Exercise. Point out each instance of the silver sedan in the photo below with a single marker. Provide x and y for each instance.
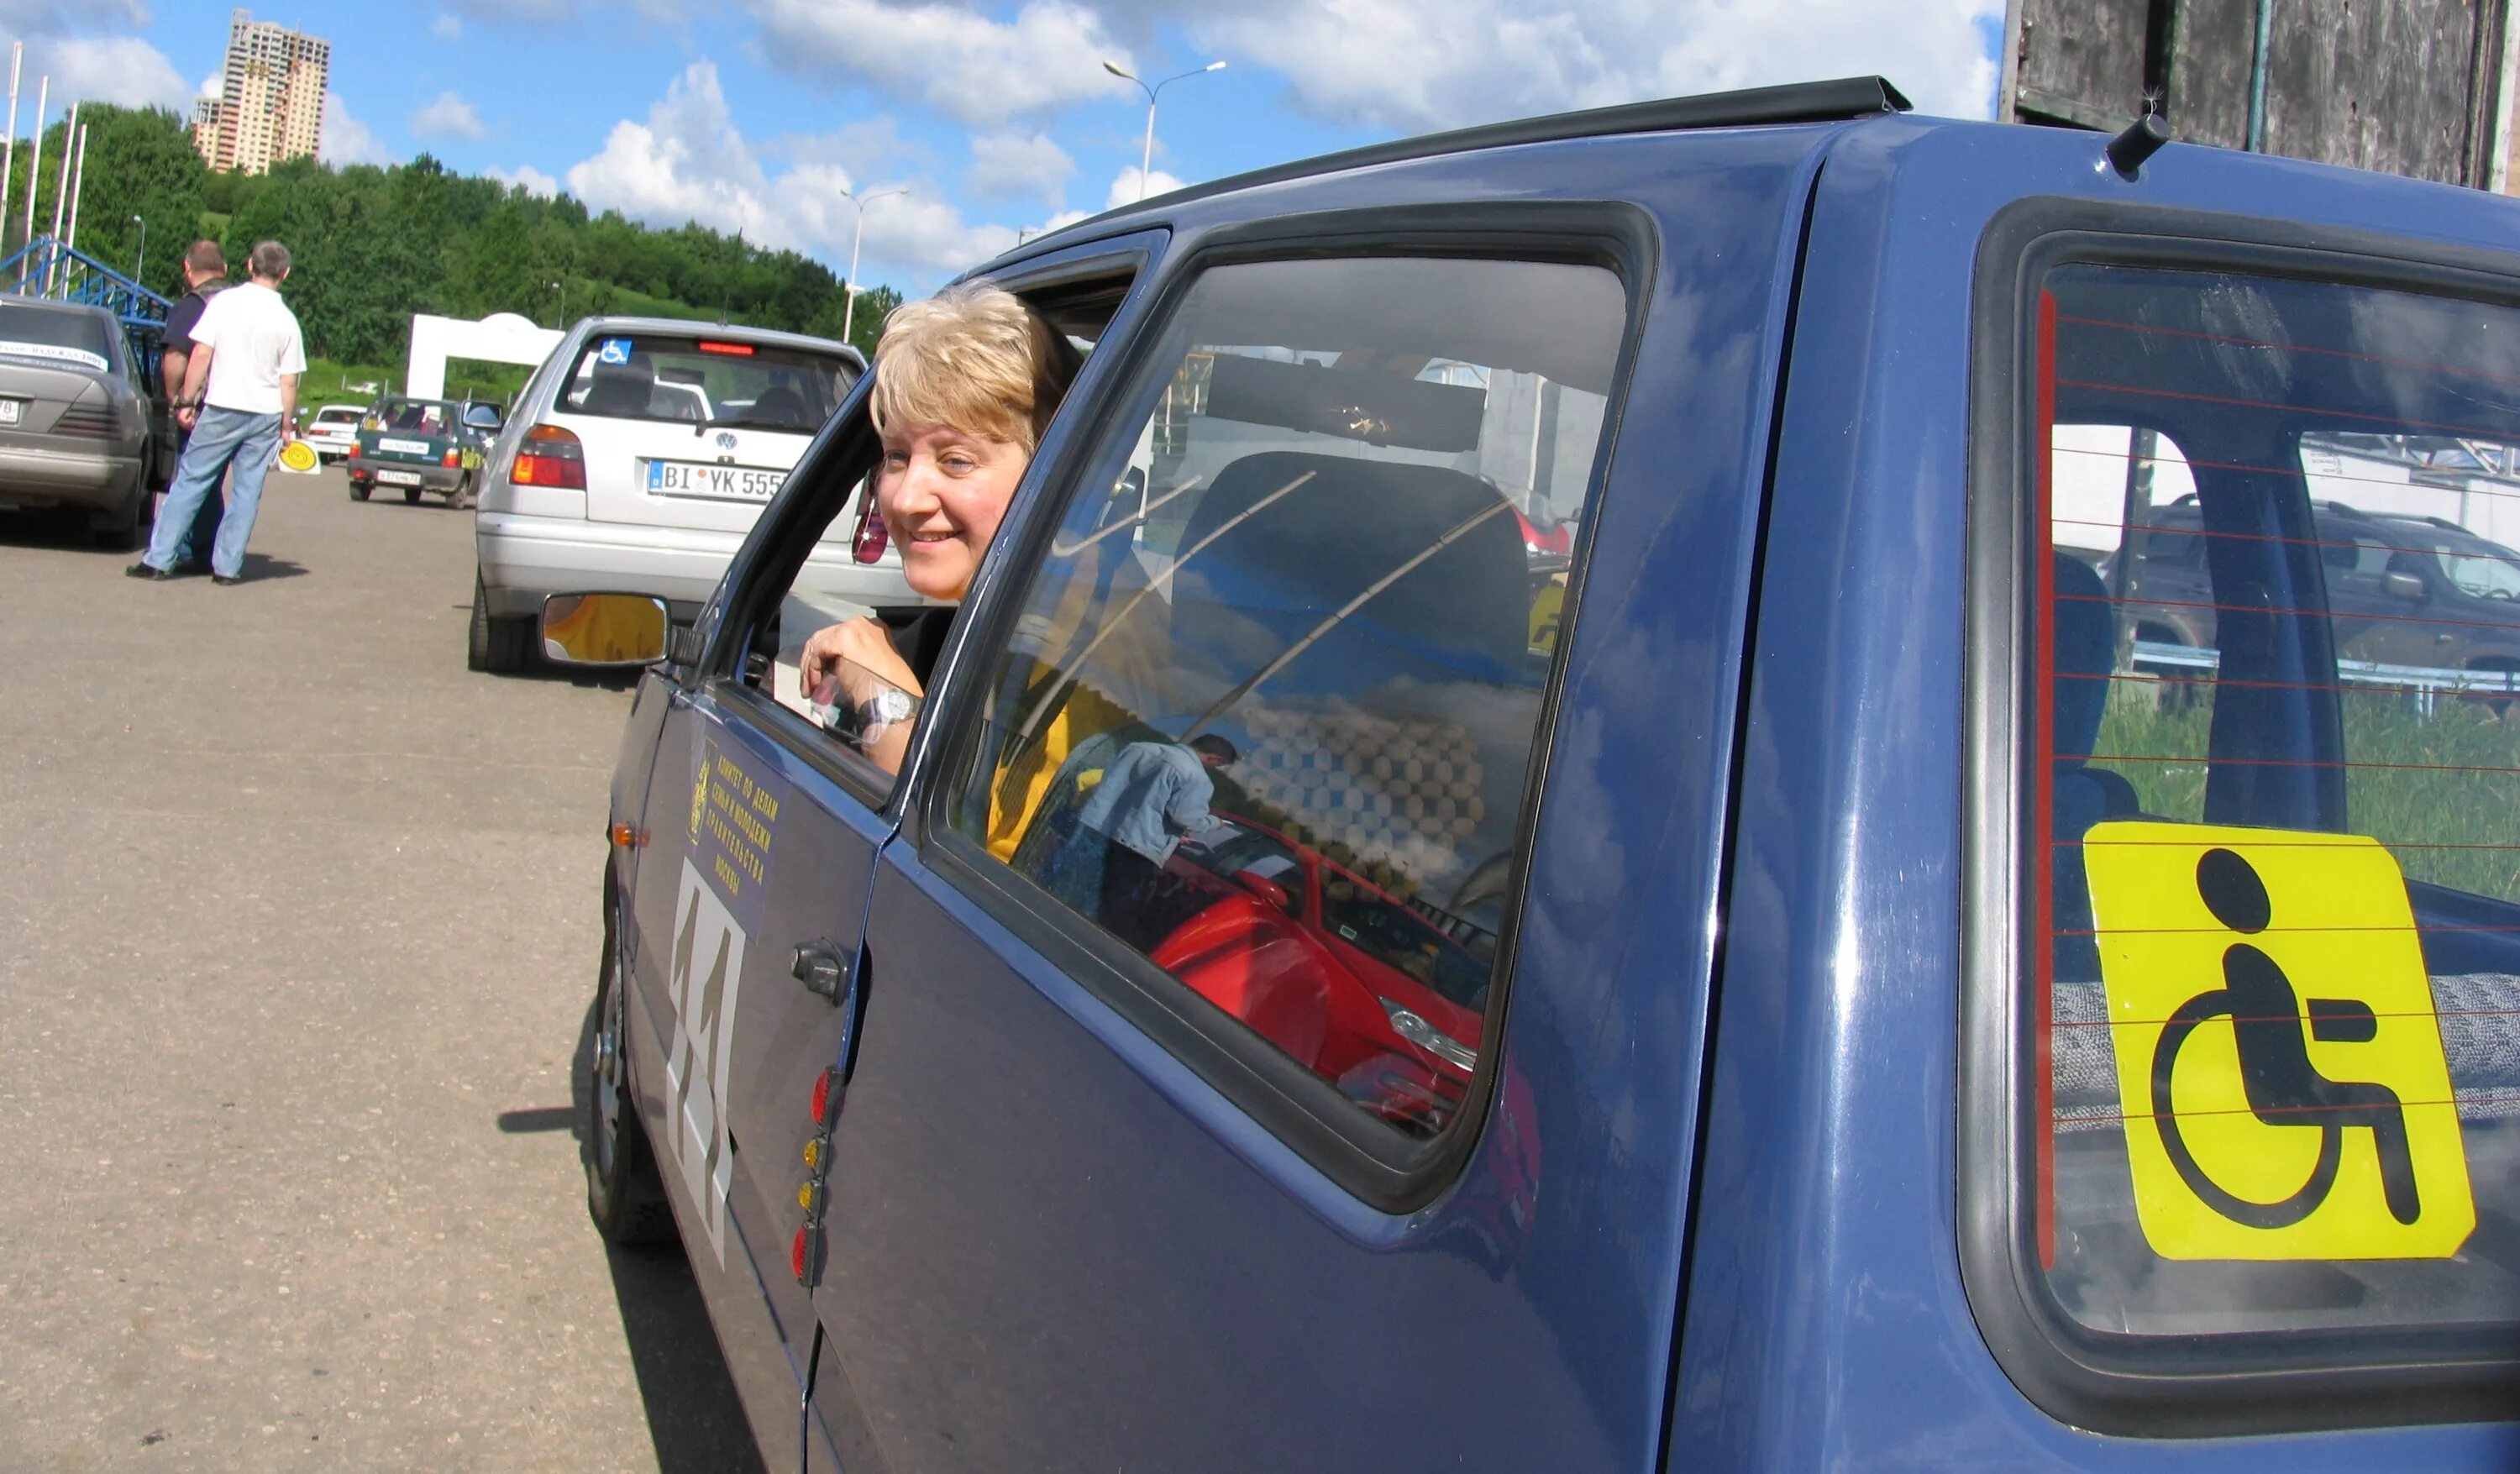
(79, 430)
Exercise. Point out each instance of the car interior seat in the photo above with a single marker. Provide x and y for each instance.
(782, 404)
(1433, 564)
(623, 389)
(2080, 794)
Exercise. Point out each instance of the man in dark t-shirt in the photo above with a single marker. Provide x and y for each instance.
(205, 271)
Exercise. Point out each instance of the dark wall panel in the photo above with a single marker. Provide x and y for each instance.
(2082, 61)
(2401, 86)
(2382, 84)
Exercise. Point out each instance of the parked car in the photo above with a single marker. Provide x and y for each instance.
(79, 430)
(1906, 1038)
(636, 461)
(414, 446)
(1329, 967)
(2417, 591)
(334, 431)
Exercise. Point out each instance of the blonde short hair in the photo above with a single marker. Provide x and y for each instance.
(973, 357)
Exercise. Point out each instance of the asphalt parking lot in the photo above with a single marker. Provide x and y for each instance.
(298, 946)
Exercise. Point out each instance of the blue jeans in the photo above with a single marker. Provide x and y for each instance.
(220, 438)
(195, 547)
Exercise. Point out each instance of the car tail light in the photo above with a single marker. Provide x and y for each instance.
(451, 458)
(354, 450)
(550, 456)
(96, 419)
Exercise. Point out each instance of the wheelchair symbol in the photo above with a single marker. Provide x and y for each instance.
(2284, 1089)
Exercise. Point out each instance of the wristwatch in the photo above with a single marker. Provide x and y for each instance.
(886, 707)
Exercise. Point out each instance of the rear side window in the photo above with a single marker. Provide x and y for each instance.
(682, 379)
(2269, 1097)
(1268, 711)
(422, 417)
(57, 336)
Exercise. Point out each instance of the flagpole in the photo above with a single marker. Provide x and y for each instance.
(60, 198)
(78, 187)
(9, 140)
(35, 169)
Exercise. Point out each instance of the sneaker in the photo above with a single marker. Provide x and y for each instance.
(223, 580)
(143, 570)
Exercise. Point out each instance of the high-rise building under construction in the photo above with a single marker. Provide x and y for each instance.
(270, 105)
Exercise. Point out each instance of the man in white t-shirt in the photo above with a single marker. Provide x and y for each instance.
(239, 401)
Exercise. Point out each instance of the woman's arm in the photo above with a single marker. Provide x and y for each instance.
(858, 657)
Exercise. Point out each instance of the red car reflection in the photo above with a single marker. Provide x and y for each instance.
(1329, 967)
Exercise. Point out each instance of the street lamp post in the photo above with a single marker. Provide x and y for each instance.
(857, 238)
(559, 315)
(140, 266)
(1147, 160)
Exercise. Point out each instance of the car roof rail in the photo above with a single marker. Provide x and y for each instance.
(1839, 101)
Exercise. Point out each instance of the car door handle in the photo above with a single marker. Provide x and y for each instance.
(820, 967)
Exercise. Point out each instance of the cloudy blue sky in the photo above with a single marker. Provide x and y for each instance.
(756, 113)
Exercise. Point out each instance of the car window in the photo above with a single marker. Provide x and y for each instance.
(1269, 709)
(2481, 573)
(2273, 1087)
(832, 701)
(680, 378)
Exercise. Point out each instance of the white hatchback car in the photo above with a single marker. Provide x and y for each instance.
(333, 430)
(637, 459)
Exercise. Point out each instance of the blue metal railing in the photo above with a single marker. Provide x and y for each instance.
(45, 267)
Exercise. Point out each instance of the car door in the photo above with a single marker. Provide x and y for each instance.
(761, 839)
(1095, 1204)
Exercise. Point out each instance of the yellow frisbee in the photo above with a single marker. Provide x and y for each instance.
(297, 455)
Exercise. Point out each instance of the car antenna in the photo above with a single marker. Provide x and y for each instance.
(2140, 140)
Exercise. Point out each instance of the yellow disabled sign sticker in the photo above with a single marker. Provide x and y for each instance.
(2278, 1061)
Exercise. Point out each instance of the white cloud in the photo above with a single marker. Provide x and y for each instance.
(690, 161)
(533, 180)
(447, 26)
(448, 117)
(1006, 165)
(1410, 66)
(345, 139)
(1125, 189)
(981, 71)
(214, 87)
(686, 163)
(121, 70)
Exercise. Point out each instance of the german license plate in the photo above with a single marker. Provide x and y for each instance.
(727, 483)
(399, 478)
(12, 410)
(404, 447)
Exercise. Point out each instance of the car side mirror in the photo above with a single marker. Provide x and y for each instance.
(1266, 889)
(2406, 586)
(604, 629)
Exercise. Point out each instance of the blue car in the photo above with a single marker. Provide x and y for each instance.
(1709, 946)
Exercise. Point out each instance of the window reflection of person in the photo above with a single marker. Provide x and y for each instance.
(1150, 795)
(966, 382)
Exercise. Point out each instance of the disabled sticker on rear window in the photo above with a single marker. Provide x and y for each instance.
(612, 350)
(2280, 1067)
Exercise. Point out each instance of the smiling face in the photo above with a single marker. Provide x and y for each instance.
(942, 493)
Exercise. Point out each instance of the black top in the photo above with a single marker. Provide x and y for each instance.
(183, 317)
(920, 636)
